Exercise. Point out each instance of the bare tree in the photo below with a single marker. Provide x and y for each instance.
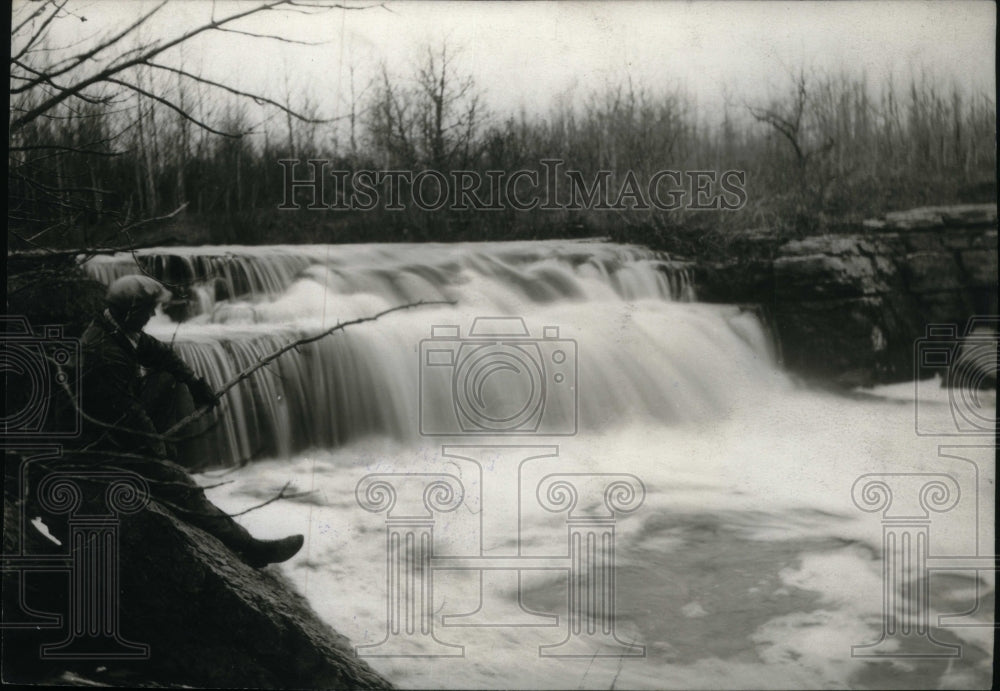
(790, 119)
(798, 120)
(436, 122)
(121, 69)
(449, 111)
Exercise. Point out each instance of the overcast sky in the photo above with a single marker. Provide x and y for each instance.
(528, 54)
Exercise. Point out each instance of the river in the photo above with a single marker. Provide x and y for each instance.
(575, 475)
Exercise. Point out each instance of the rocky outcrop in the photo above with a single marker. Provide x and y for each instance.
(849, 307)
(207, 619)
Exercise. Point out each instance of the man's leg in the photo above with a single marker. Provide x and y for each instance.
(172, 486)
(167, 401)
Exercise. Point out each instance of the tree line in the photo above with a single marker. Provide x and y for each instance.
(145, 139)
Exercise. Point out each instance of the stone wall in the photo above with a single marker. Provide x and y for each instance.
(848, 307)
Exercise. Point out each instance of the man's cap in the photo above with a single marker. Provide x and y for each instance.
(129, 292)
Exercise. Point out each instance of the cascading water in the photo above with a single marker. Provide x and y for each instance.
(749, 564)
(364, 381)
(262, 273)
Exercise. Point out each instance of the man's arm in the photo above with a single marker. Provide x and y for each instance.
(157, 355)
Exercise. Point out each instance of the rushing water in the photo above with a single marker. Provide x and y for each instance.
(748, 563)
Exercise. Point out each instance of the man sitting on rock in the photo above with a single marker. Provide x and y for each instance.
(134, 388)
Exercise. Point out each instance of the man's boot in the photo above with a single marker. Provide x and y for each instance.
(259, 553)
(188, 502)
(251, 551)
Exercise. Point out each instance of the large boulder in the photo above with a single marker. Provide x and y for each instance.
(208, 619)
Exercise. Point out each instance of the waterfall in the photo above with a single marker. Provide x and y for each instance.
(221, 273)
(236, 271)
(591, 335)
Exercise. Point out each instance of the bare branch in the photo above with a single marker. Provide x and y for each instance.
(16, 30)
(117, 68)
(274, 37)
(44, 79)
(180, 111)
(85, 253)
(783, 126)
(260, 100)
(41, 30)
(63, 148)
(171, 434)
(264, 361)
(280, 495)
(78, 60)
(136, 224)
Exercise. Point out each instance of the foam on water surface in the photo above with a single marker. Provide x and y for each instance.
(748, 565)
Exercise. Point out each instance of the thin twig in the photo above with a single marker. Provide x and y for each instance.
(280, 495)
(295, 344)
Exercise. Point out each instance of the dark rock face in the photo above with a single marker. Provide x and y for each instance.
(239, 626)
(849, 307)
(208, 619)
